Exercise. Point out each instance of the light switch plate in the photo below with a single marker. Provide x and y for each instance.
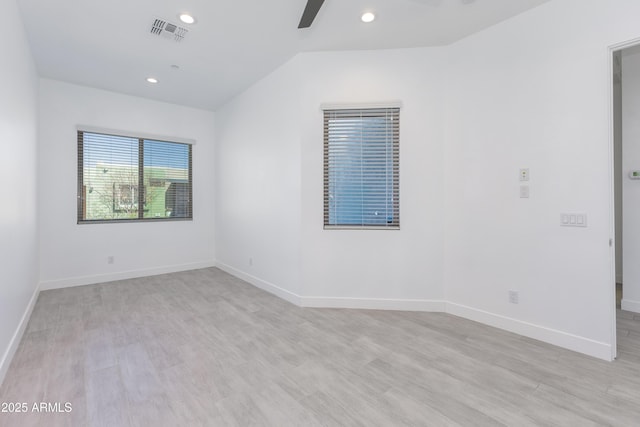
(573, 219)
(524, 191)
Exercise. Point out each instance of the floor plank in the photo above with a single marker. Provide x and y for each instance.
(203, 348)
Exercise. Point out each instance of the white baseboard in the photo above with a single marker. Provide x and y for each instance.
(262, 284)
(561, 339)
(630, 305)
(329, 302)
(122, 275)
(7, 357)
(577, 343)
(375, 304)
(566, 340)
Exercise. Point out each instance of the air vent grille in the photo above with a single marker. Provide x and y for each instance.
(161, 27)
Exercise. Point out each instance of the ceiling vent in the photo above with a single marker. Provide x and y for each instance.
(164, 28)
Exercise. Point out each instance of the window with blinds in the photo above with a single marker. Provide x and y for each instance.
(124, 178)
(361, 168)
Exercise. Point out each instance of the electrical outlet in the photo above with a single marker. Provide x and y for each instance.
(111, 259)
(514, 297)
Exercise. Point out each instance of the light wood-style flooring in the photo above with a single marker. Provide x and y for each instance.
(203, 348)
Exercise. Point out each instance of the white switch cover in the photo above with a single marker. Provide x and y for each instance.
(524, 174)
(514, 297)
(573, 219)
(524, 191)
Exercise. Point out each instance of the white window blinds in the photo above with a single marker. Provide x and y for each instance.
(124, 178)
(361, 168)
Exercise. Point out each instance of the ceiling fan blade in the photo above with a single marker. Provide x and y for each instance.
(310, 11)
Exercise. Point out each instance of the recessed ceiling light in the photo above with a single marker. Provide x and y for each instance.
(152, 80)
(187, 19)
(368, 17)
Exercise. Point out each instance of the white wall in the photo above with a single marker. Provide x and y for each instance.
(73, 254)
(269, 183)
(534, 92)
(631, 188)
(18, 174)
(371, 268)
(257, 183)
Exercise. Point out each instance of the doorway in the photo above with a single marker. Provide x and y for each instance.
(626, 183)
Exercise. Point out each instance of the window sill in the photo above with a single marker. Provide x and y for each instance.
(362, 227)
(118, 221)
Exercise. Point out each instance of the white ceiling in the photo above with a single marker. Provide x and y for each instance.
(107, 43)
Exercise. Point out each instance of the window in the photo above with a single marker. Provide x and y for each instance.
(361, 168)
(124, 178)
